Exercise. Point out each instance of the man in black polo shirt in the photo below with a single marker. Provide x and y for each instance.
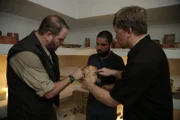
(103, 58)
(144, 89)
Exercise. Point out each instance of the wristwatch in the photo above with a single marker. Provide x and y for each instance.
(71, 78)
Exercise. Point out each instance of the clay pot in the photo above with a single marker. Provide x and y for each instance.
(169, 39)
(87, 42)
(167, 45)
(14, 35)
(1, 38)
(7, 40)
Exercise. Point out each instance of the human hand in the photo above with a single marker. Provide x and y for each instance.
(105, 72)
(86, 83)
(78, 74)
(108, 72)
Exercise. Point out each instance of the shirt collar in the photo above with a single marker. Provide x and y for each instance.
(138, 47)
(43, 46)
(45, 49)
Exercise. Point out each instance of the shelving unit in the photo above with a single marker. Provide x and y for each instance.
(172, 53)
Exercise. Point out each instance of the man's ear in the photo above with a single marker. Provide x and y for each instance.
(129, 31)
(48, 36)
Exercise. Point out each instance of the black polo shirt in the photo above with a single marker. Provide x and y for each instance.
(145, 88)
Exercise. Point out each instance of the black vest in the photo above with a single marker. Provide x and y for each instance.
(23, 100)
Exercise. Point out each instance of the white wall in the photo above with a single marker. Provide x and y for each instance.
(78, 36)
(67, 7)
(14, 23)
(156, 32)
(88, 8)
(23, 26)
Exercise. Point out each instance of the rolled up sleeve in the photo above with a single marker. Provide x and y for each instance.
(29, 68)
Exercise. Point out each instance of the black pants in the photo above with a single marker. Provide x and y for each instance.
(101, 114)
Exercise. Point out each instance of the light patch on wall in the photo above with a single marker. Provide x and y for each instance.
(3, 82)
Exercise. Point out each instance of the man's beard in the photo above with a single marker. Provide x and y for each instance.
(51, 47)
(103, 54)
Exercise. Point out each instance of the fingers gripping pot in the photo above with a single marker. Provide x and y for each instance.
(90, 73)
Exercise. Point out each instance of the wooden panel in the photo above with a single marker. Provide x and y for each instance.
(73, 60)
(3, 82)
(174, 65)
(176, 114)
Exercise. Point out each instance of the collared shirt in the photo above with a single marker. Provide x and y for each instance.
(29, 68)
(145, 86)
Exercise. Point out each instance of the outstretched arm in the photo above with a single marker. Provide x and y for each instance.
(100, 94)
(108, 72)
(61, 85)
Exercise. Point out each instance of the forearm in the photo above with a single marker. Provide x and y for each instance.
(108, 87)
(117, 74)
(108, 72)
(58, 87)
(102, 95)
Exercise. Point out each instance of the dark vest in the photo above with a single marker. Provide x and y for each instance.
(23, 100)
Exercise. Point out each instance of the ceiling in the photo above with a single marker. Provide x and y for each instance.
(161, 15)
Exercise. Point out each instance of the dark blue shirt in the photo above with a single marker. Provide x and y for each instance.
(112, 61)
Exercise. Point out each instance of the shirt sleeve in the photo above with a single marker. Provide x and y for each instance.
(120, 65)
(28, 67)
(136, 79)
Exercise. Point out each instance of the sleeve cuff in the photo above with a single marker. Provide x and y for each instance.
(46, 89)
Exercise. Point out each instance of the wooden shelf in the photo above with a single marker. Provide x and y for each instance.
(172, 53)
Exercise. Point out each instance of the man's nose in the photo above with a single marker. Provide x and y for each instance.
(99, 47)
(61, 41)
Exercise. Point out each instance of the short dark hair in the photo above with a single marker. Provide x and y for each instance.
(133, 17)
(106, 35)
(52, 23)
